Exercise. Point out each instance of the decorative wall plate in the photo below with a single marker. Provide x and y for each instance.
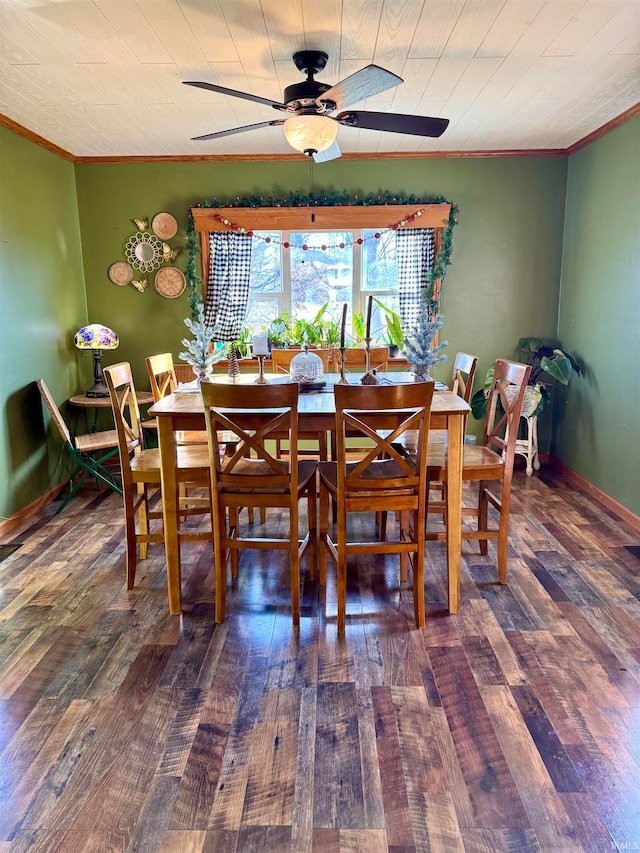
(121, 273)
(170, 282)
(164, 225)
(144, 251)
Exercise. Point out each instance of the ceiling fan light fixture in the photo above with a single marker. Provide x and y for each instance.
(310, 133)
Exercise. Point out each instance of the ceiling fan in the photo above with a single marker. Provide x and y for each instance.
(309, 126)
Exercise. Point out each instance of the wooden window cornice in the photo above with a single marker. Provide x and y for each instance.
(318, 218)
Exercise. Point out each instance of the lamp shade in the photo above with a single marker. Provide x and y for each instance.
(96, 336)
(310, 133)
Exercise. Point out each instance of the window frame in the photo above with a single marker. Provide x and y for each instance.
(318, 218)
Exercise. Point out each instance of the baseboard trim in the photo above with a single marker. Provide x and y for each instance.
(8, 524)
(584, 485)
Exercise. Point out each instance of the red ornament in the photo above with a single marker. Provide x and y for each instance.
(324, 248)
(411, 217)
(234, 227)
(359, 241)
(341, 245)
(394, 227)
(267, 239)
(377, 235)
(250, 233)
(286, 244)
(304, 247)
(217, 217)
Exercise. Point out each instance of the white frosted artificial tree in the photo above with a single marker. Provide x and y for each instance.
(199, 353)
(419, 348)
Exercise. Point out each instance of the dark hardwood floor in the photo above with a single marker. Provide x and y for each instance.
(512, 726)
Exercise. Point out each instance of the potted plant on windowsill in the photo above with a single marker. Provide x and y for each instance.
(394, 336)
(279, 331)
(319, 332)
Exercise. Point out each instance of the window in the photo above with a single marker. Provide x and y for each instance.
(319, 268)
(393, 268)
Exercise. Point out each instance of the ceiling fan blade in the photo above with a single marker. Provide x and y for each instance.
(234, 93)
(331, 153)
(395, 123)
(358, 87)
(220, 133)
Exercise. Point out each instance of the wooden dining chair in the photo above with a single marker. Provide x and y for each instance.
(140, 470)
(88, 452)
(281, 359)
(464, 371)
(384, 479)
(163, 381)
(254, 477)
(355, 359)
(491, 462)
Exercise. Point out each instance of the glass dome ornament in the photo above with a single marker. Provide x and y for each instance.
(307, 369)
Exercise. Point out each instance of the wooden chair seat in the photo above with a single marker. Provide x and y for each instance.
(386, 470)
(189, 460)
(476, 460)
(252, 470)
(191, 436)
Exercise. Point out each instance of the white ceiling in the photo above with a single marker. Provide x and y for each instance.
(103, 77)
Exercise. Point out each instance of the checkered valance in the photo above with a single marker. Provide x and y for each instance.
(228, 283)
(415, 248)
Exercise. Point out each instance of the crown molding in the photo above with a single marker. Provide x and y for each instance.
(606, 128)
(9, 123)
(295, 158)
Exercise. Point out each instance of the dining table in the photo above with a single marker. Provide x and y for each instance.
(184, 410)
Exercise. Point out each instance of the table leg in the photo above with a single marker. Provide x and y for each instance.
(453, 485)
(168, 465)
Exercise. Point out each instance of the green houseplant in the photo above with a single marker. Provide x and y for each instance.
(544, 359)
(316, 332)
(394, 336)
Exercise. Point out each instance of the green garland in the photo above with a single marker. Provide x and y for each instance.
(330, 199)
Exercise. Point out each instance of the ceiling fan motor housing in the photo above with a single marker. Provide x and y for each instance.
(305, 93)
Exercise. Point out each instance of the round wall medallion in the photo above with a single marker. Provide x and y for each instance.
(144, 251)
(120, 273)
(164, 225)
(170, 282)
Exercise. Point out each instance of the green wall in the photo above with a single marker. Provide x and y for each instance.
(597, 421)
(503, 283)
(42, 303)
